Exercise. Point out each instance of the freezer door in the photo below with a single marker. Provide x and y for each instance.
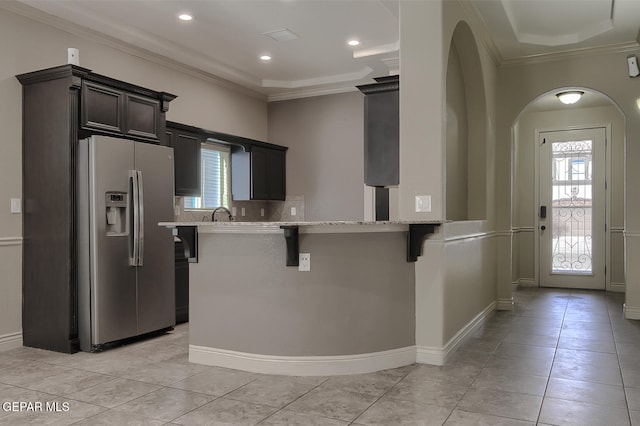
(156, 273)
(113, 280)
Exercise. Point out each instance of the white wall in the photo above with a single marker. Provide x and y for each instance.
(28, 46)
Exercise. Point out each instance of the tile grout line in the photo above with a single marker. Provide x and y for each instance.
(555, 352)
(379, 398)
(615, 346)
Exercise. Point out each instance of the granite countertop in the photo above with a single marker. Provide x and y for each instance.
(344, 226)
(302, 223)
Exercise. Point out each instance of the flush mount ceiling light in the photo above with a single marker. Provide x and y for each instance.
(353, 42)
(570, 97)
(185, 17)
(265, 58)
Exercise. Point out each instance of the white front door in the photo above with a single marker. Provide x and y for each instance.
(572, 210)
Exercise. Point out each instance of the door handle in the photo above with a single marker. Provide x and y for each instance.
(543, 212)
(543, 227)
(140, 219)
(133, 257)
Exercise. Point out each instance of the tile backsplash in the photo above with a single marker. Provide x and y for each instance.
(254, 211)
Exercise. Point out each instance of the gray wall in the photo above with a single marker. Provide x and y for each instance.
(325, 157)
(359, 296)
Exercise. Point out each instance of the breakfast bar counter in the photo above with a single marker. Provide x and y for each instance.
(353, 311)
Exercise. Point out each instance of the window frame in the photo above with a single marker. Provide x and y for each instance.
(210, 145)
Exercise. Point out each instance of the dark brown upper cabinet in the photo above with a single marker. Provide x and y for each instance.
(115, 111)
(382, 132)
(186, 142)
(258, 173)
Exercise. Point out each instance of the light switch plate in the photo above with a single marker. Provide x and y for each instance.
(16, 205)
(304, 262)
(243, 212)
(423, 203)
(234, 211)
(293, 211)
(261, 212)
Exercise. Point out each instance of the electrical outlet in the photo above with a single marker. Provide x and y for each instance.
(304, 262)
(243, 212)
(293, 211)
(16, 205)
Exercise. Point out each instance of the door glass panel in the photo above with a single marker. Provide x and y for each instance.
(571, 207)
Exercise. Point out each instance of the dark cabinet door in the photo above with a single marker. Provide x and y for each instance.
(186, 157)
(277, 175)
(113, 111)
(259, 173)
(142, 117)
(102, 108)
(267, 174)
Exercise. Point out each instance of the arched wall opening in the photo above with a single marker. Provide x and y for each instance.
(466, 130)
(543, 114)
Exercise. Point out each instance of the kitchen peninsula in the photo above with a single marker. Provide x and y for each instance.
(352, 312)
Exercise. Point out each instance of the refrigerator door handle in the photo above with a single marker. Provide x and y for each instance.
(141, 218)
(133, 257)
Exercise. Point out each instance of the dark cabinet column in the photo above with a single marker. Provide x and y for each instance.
(382, 132)
(60, 105)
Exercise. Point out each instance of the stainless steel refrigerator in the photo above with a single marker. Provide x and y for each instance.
(126, 281)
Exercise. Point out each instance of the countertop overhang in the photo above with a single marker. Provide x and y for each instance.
(417, 231)
(311, 227)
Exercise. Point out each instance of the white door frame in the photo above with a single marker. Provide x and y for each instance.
(536, 204)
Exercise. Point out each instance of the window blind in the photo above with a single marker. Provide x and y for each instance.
(214, 169)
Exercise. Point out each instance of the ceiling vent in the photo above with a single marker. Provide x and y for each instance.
(282, 35)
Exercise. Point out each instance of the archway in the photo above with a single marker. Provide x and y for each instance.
(466, 130)
(546, 114)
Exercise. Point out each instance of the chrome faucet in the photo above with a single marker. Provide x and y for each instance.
(224, 209)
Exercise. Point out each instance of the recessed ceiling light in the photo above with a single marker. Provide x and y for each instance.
(265, 58)
(353, 42)
(185, 17)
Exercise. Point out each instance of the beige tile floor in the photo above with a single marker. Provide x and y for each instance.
(561, 357)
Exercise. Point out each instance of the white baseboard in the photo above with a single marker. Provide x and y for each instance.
(617, 287)
(440, 356)
(527, 282)
(10, 341)
(631, 312)
(303, 365)
(505, 304)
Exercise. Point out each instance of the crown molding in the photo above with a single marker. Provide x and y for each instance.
(574, 53)
(482, 31)
(299, 94)
(332, 79)
(97, 37)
